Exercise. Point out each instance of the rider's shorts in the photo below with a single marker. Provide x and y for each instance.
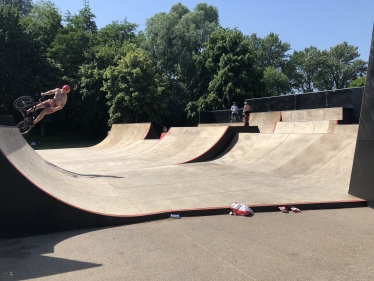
(234, 113)
(49, 104)
(246, 113)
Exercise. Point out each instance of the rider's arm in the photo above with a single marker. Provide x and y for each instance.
(59, 107)
(49, 92)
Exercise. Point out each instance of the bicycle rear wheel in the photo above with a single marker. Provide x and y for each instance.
(23, 102)
(24, 127)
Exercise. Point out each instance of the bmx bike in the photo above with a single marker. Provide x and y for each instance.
(242, 118)
(22, 104)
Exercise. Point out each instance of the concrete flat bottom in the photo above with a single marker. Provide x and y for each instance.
(312, 245)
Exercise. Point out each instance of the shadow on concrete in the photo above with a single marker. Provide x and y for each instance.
(23, 259)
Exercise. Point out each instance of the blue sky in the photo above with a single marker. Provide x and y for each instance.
(302, 23)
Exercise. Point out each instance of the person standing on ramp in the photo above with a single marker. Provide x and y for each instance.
(246, 111)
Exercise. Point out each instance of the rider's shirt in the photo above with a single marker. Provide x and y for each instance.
(234, 109)
(60, 99)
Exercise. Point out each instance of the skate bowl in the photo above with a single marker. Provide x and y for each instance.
(41, 196)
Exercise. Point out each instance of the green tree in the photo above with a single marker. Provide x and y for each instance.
(272, 56)
(172, 39)
(307, 65)
(71, 42)
(340, 67)
(70, 49)
(136, 92)
(24, 6)
(110, 47)
(43, 22)
(20, 59)
(276, 82)
(84, 20)
(359, 82)
(270, 50)
(226, 72)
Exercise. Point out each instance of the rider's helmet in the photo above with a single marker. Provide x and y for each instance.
(234, 103)
(66, 88)
(245, 102)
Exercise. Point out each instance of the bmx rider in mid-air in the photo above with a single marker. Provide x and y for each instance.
(50, 105)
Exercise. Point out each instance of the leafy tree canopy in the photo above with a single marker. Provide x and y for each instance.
(136, 92)
(359, 82)
(24, 6)
(340, 66)
(226, 71)
(43, 22)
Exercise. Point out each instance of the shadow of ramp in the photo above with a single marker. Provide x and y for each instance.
(43, 266)
(24, 259)
(75, 175)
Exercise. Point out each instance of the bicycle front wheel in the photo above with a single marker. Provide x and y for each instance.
(23, 102)
(24, 127)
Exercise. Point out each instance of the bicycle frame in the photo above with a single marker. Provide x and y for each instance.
(23, 103)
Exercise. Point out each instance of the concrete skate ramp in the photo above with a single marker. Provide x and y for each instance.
(314, 127)
(335, 113)
(307, 127)
(91, 155)
(316, 165)
(293, 155)
(266, 121)
(123, 140)
(221, 124)
(180, 145)
(258, 169)
(122, 135)
(348, 129)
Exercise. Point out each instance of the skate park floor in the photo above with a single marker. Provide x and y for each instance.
(312, 245)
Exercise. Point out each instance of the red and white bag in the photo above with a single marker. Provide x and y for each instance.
(240, 209)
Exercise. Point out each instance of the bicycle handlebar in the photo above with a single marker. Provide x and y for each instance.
(42, 98)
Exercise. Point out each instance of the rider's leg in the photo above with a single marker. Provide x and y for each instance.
(46, 111)
(34, 108)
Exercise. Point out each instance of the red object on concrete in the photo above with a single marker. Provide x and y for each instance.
(240, 209)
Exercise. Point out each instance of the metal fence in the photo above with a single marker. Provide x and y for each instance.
(350, 98)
